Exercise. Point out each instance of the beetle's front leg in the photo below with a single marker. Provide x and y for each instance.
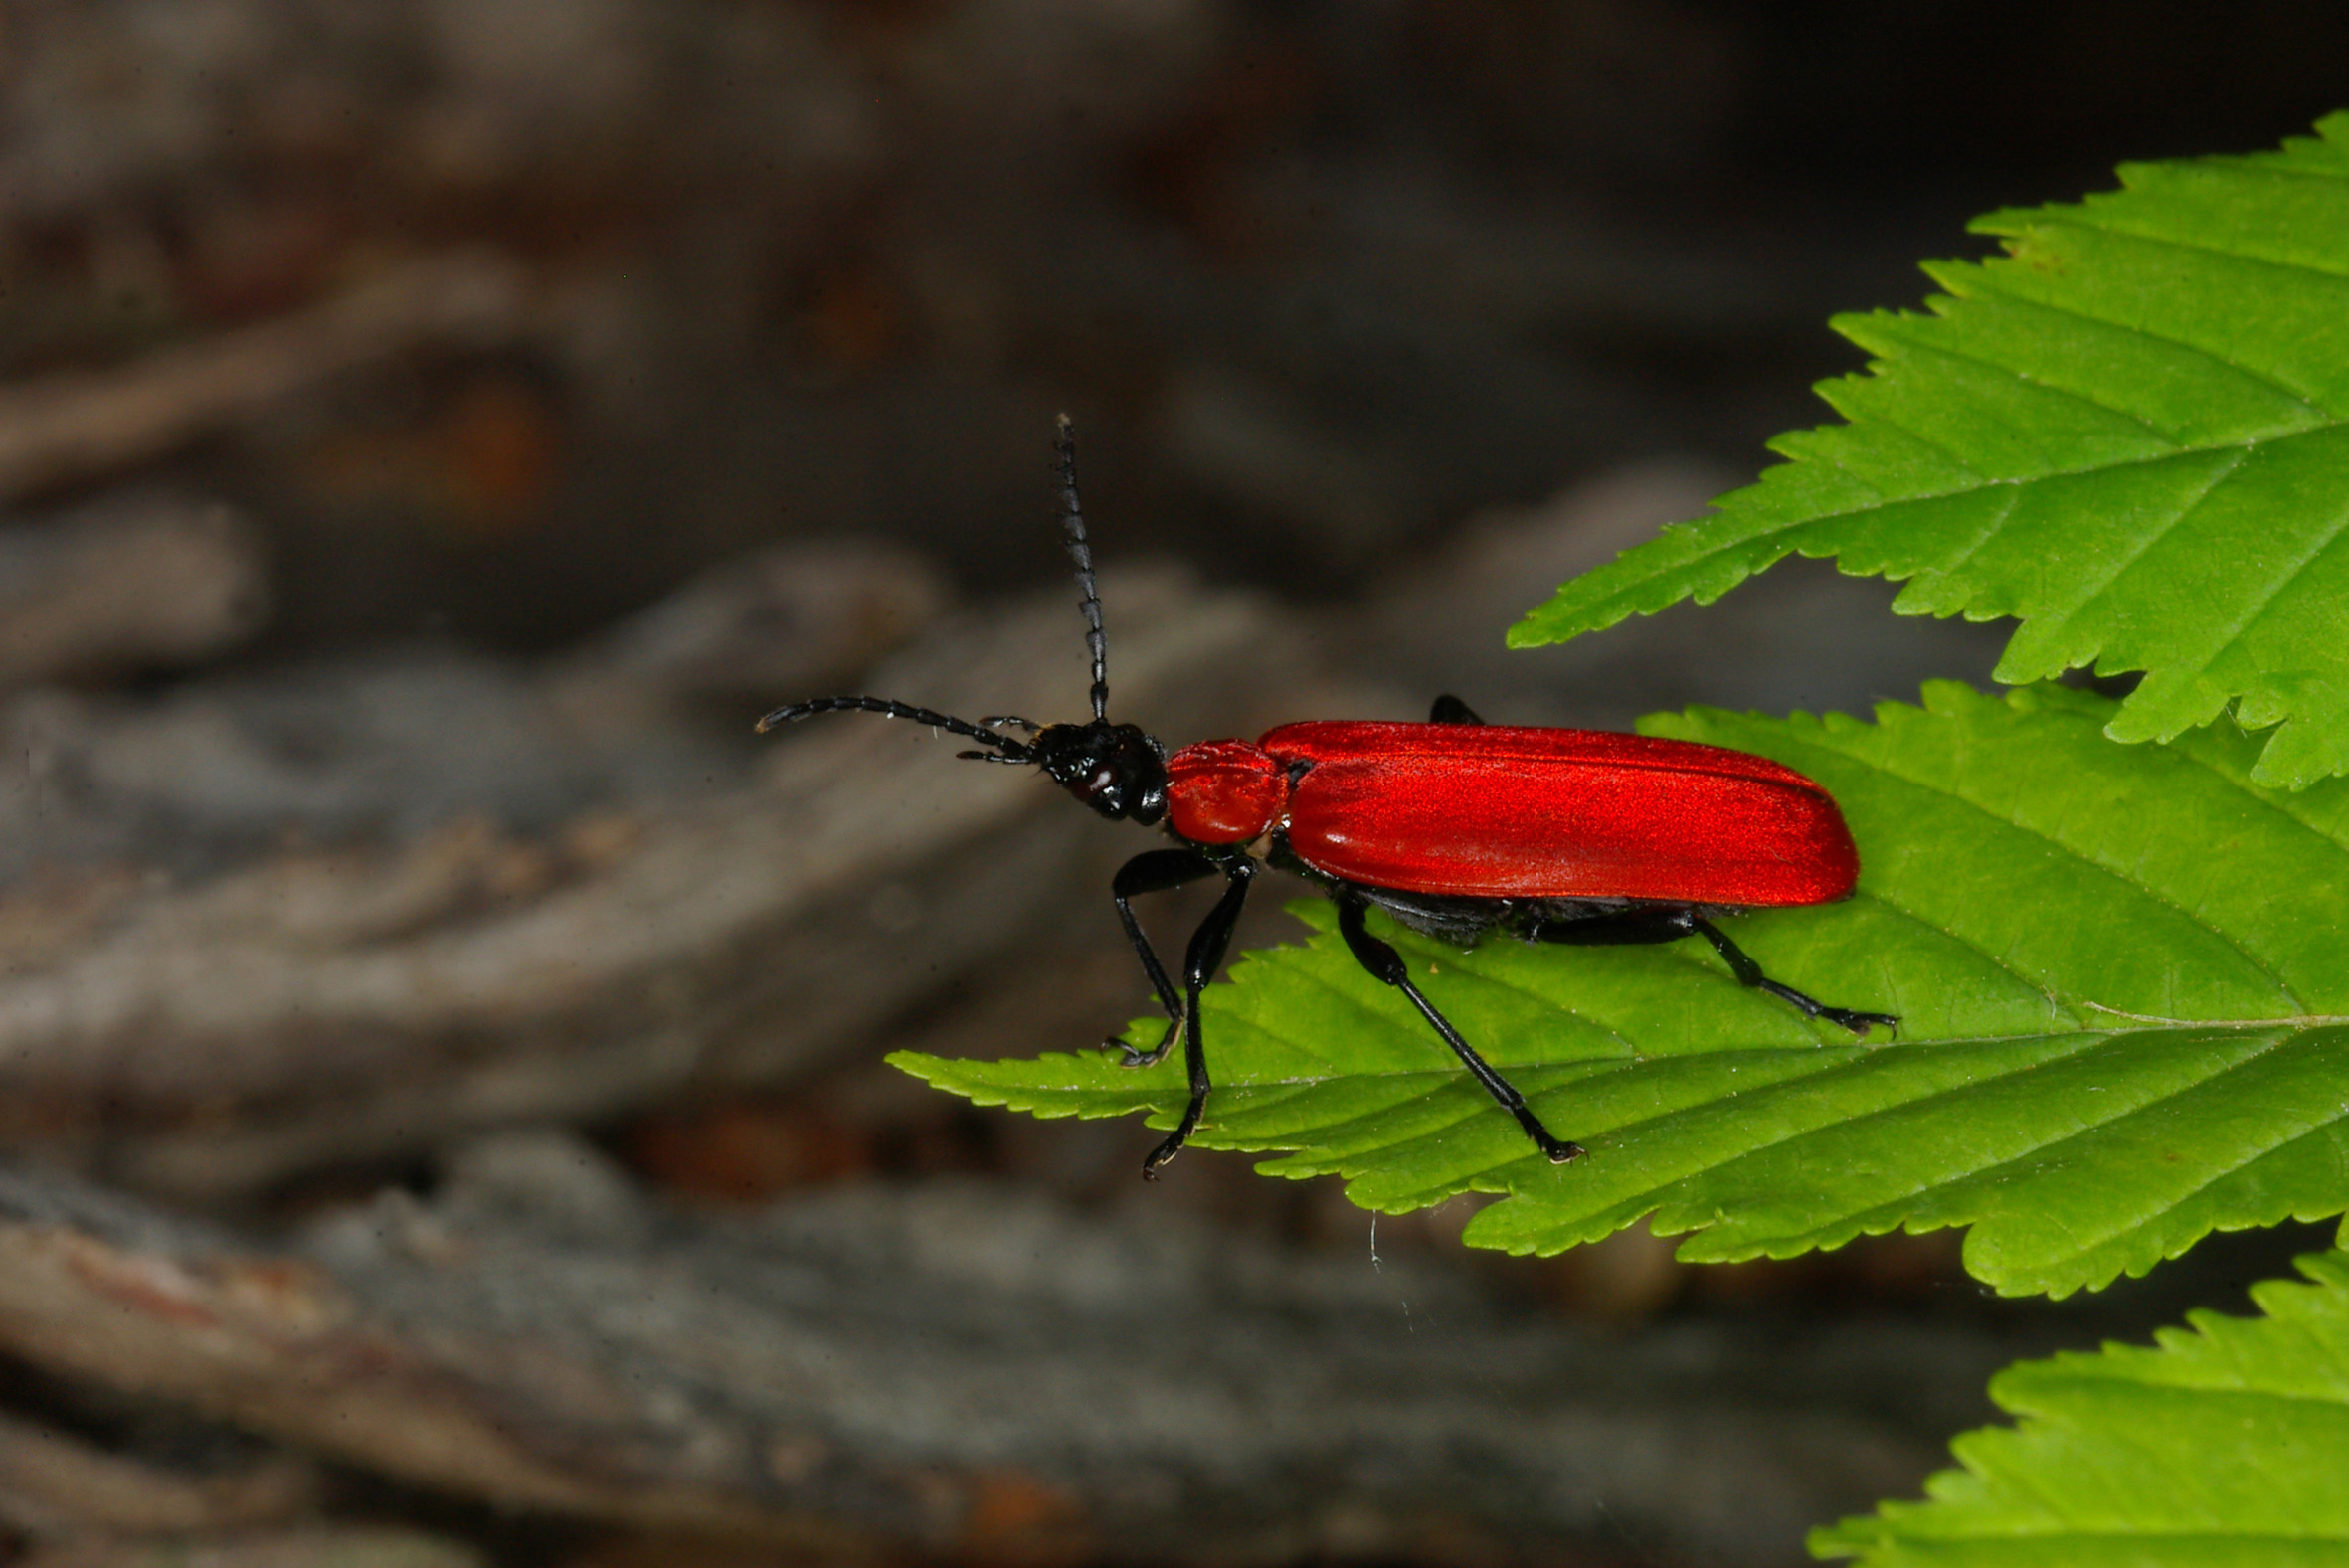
(1207, 946)
(1154, 871)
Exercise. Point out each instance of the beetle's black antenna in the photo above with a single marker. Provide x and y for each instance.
(1072, 521)
(1011, 751)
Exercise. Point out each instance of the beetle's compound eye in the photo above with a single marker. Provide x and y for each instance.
(1099, 790)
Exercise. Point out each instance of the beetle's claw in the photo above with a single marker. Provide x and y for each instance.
(1132, 1056)
(1861, 1023)
(1135, 1056)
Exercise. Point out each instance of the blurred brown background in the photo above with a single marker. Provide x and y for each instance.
(440, 1045)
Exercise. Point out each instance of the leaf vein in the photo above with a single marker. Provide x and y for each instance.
(2259, 797)
(2090, 1126)
(2088, 590)
(2148, 892)
(2259, 607)
(2028, 379)
(2065, 1048)
(1990, 531)
(1876, 417)
(2281, 1140)
(1985, 281)
(2086, 218)
(1879, 895)
(2085, 470)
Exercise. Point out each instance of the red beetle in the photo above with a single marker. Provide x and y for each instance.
(1454, 827)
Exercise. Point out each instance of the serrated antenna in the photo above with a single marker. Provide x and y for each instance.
(1072, 522)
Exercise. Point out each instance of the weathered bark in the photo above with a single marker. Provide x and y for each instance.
(55, 1484)
(78, 423)
(534, 914)
(128, 582)
(962, 1367)
(316, 1547)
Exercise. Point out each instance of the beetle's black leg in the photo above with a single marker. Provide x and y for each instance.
(1154, 871)
(1750, 973)
(1669, 922)
(1451, 710)
(1207, 946)
(1387, 964)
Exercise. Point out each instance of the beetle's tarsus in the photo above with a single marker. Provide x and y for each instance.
(1132, 1055)
(1751, 974)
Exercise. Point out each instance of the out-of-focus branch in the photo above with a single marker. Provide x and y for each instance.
(134, 580)
(964, 1368)
(356, 1546)
(52, 1483)
(77, 424)
(536, 914)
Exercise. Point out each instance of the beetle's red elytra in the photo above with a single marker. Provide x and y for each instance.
(1455, 828)
(1490, 812)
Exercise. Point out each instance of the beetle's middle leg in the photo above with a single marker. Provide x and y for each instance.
(1669, 922)
(1449, 709)
(1387, 964)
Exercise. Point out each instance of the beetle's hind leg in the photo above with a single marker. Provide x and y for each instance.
(1387, 964)
(1669, 922)
(1750, 973)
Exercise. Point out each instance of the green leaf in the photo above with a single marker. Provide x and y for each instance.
(2128, 433)
(2124, 1005)
(2227, 1444)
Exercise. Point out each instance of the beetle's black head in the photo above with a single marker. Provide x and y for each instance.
(1113, 767)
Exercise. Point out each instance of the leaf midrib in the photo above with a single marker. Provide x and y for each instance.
(2088, 588)
(1449, 1072)
(1734, 508)
(2036, 381)
(2093, 219)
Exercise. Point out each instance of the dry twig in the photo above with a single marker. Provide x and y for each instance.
(589, 932)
